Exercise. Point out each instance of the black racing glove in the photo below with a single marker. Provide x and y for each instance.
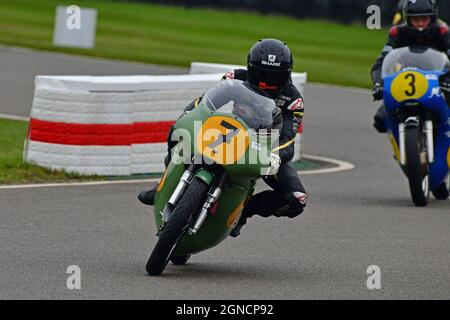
(377, 91)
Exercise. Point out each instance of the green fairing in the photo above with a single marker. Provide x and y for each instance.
(239, 184)
(215, 229)
(248, 169)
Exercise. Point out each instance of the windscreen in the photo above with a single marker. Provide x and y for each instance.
(243, 100)
(423, 58)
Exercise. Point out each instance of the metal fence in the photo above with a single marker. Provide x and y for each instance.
(345, 11)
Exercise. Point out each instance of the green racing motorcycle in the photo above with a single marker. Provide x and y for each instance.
(224, 147)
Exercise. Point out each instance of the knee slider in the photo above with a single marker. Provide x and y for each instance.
(295, 210)
(296, 204)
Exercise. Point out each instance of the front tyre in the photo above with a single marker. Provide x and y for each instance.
(176, 226)
(417, 166)
(180, 260)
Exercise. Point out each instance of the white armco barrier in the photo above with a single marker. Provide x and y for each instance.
(107, 125)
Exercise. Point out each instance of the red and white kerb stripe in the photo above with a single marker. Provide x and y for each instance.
(83, 134)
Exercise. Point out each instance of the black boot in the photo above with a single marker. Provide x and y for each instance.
(260, 205)
(147, 197)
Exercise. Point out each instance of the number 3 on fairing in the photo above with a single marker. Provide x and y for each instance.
(412, 84)
(409, 85)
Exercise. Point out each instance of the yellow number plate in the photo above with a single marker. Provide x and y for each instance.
(222, 139)
(409, 85)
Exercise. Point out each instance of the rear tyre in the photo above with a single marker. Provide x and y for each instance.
(417, 166)
(180, 260)
(442, 192)
(176, 227)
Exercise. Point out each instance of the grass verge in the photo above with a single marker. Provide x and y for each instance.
(329, 52)
(12, 168)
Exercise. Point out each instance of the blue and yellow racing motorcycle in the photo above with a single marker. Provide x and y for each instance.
(418, 119)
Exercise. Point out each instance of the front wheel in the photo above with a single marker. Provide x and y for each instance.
(417, 166)
(180, 260)
(176, 227)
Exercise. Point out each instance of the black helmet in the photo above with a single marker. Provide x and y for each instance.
(269, 64)
(421, 8)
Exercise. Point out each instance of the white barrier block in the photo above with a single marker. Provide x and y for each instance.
(125, 100)
(101, 160)
(146, 158)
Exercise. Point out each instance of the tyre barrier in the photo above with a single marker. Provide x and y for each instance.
(97, 125)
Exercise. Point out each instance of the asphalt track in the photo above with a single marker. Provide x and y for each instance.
(354, 219)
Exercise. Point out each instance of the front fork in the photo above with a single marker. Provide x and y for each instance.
(430, 140)
(427, 129)
(185, 181)
(212, 198)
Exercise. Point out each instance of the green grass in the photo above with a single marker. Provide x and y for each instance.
(12, 167)
(329, 52)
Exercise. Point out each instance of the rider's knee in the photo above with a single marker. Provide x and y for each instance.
(295, 209)
(295, 205)
(294, 212)
(378, 120)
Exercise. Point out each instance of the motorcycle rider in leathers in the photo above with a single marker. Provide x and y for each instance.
(269, 66)
(421, 28)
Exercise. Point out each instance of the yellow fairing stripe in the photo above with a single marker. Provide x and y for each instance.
(448, 157)
(395, 147)
(196, 102)
(284, 145)
(232, 218)
(162, 181)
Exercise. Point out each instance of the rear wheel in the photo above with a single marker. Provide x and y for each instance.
(176, 227)
(417, 166)
(442, 192)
